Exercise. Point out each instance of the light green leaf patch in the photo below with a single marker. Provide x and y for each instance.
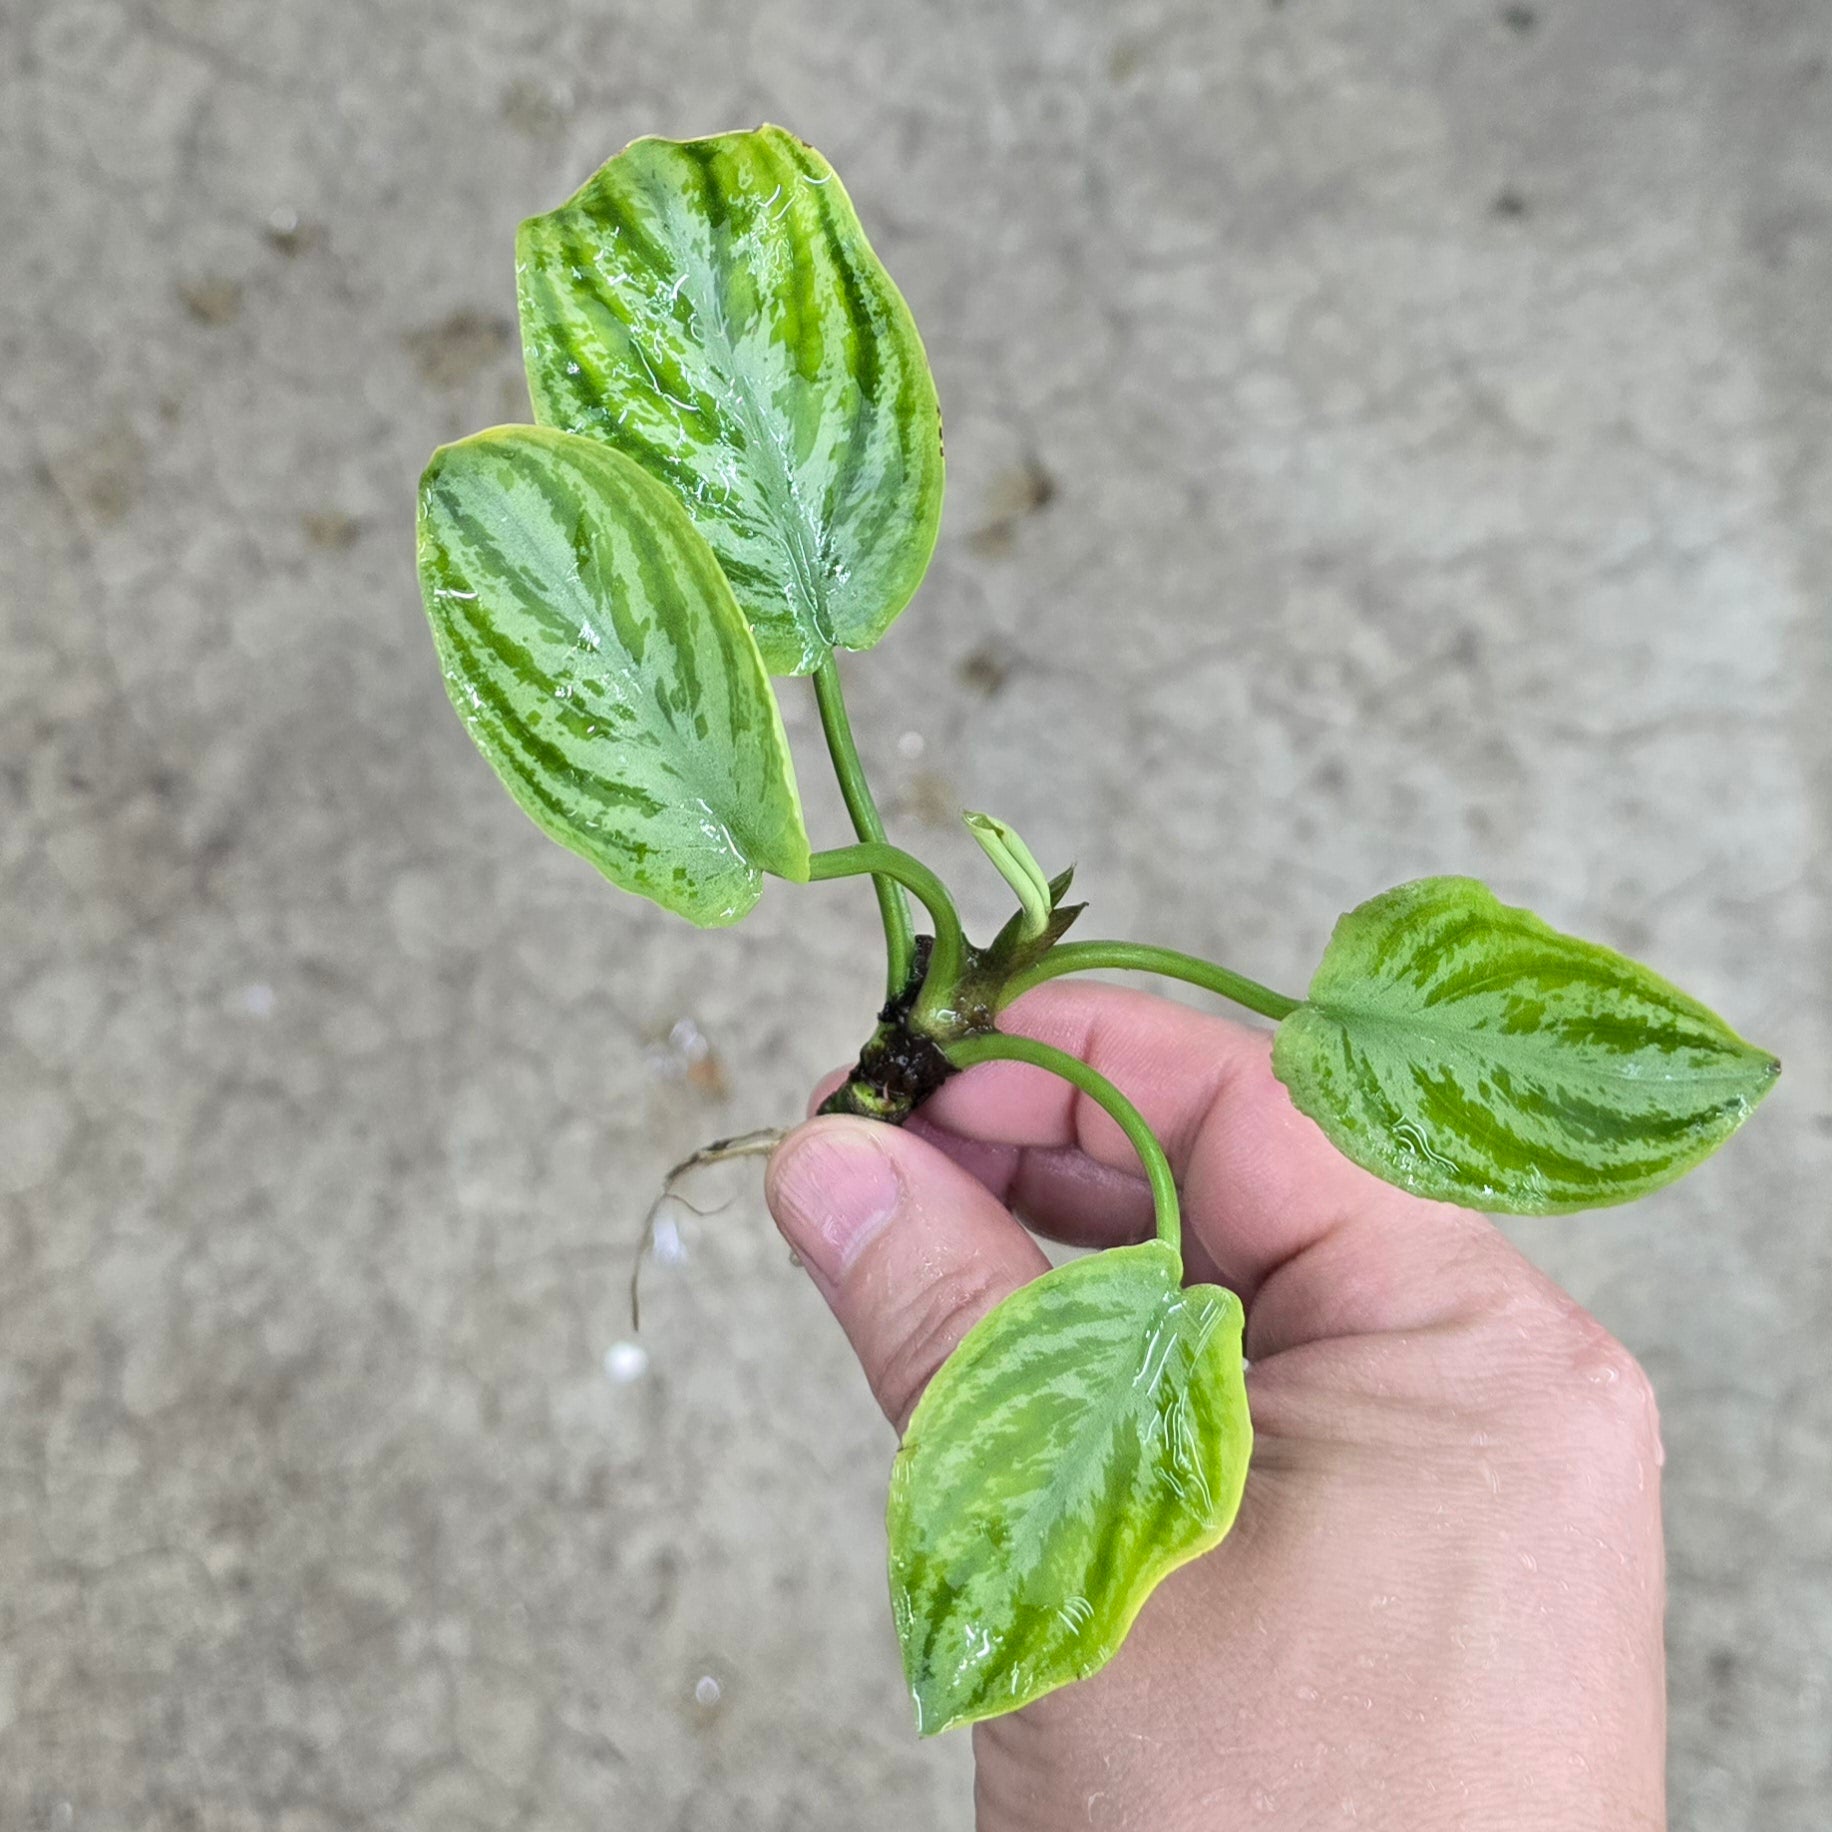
(1464, 1050)
(1085, 1439)
(712, 309)
(594, 652)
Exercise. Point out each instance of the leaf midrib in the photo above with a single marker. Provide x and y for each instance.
(779, 490)
(1503, 1045)
(1109, 1407)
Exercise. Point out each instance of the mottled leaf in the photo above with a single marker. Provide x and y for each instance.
(595, 654)
(713, 309)
(1464, 1050)
(1086, 1438)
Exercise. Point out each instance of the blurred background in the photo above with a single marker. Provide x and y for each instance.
(1381, 441)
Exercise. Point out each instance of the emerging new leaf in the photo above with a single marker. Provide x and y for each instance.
(1085, 1439)
(593, 650)
(1464, 1050)
(713, 309)
(1018, 866)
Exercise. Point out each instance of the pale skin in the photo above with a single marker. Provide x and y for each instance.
(1441, 1604)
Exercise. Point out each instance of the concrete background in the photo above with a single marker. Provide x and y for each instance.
(1382, 440)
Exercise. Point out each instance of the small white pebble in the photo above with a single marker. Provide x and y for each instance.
(912, 744)
(625, 1362)
(687, 1037)
(706, 1690)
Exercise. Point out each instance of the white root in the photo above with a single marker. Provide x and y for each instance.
(757, 1144)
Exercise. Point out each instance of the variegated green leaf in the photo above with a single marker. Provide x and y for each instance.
(1085, 1439)
(1464, 1050)
(595, 654)
(713, 309)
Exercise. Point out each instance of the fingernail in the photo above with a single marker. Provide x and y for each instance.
(831, 1188)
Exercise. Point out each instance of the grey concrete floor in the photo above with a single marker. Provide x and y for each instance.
(1382, 440)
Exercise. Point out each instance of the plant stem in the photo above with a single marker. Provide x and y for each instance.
(997, 1046)
(891, 864)
(899, 936)
(1080, 956)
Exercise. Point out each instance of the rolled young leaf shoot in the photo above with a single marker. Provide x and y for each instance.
(1018, 866)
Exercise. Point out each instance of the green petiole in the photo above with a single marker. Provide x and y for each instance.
(867, 823)
(891, 863)
(998, 1046)
(1085, 956)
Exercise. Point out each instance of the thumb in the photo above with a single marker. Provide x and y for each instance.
(908, 1249)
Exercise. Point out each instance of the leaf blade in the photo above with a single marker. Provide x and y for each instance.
(713, 309)
(594, 653)
(1086, 1438)
(1467, 1051)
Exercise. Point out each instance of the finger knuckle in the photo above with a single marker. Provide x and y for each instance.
(1544, 1353)
(1615, 1383)
(1589, 1383)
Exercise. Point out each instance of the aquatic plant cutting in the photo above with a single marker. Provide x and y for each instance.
(735, 472)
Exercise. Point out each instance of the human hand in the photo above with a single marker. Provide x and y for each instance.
(1441, 1603)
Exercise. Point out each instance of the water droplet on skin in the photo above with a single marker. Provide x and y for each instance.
(625, 1362)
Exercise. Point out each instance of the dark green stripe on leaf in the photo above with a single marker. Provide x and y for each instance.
(1084, 1440)
(712, 309)
(1465, 1050)
(593, 649)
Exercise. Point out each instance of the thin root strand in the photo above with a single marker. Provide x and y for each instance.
(757, 1144)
